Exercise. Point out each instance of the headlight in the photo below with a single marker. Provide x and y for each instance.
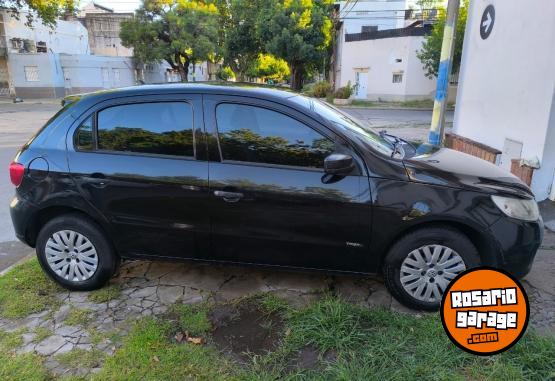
(518, 208)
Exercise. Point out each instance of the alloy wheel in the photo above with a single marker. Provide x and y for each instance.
(71, 255)
(427, 271)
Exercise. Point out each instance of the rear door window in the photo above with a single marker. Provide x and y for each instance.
(163, 128)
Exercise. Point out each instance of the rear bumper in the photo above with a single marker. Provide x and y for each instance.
(518, 243)
(22, 213)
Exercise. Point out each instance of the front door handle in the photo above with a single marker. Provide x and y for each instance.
(229, 196)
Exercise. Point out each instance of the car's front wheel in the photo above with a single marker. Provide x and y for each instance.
(420, 266)
(76, 253)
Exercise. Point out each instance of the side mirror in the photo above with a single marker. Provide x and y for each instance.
(338, 164)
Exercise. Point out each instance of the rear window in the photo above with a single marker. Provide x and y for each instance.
(164, 128)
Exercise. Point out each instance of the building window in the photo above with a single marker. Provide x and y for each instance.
(397, 77)
(17, 43)
(31, 73)
(368, 28)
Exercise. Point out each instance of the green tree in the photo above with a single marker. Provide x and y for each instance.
(240, 41)
(47, 10)
(177, 31)
(298, 31)
(269, 67)
(430, 53)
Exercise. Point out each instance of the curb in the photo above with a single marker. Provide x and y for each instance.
(390, 108)
(22, 260)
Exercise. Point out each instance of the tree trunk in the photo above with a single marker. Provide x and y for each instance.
(297, 77)
(182, 67)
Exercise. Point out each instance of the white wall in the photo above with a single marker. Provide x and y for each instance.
(506, 82)
(66, 37)
(379, 57)
(85, 72)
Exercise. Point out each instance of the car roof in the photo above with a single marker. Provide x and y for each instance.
(221, 88)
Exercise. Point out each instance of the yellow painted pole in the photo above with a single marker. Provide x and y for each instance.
(437, 128)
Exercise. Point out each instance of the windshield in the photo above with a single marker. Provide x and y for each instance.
(347, 122)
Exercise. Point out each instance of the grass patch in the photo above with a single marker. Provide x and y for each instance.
(18, 367)
(10, 340)
(105, 294)
(147, 354)
(269, 303)
(28, 367)
(376, 344)
(41, 333)
(26, 290)
(78, 317)
(80, 358)
(193, 318)
(328, 339)
(96, 336)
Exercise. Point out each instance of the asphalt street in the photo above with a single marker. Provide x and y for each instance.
(18, 123)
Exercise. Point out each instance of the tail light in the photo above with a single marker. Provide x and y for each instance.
(17, 171)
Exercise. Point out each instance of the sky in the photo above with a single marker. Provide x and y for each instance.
(116, 5)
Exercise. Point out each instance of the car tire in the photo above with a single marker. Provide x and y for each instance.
(416, 264)
(75, 252)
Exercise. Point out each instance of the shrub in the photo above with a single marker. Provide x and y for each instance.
(225, 73)
(321, 89)
(308, 89)
(344, 92)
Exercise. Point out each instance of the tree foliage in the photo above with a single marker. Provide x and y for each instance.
(253, 37)
(47, 10)
(298, 31)
(430, 53)
(269, 67)
(241, 43)
(177, 31)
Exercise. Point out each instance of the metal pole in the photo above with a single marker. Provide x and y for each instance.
(437, 128)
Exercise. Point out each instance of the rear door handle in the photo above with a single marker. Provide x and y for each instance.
(97, 180)
(229, 196)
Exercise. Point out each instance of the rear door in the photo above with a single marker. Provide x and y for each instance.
(140, 162)
(271, 202)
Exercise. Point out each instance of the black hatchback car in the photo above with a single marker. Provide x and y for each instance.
(259, 176)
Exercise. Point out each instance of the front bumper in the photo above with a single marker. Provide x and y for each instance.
(518, 243)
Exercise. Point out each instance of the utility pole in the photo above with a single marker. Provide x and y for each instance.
(437, 128)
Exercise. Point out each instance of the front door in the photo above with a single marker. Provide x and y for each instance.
(361, 85)
(271, 202)
(135, 160)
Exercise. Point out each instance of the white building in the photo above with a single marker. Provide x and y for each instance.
(383, 65)
(44, 62)
(507, 81)
(69, 37)
(376, 50)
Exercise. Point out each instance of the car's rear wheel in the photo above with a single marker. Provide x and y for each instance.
(76, 253)
(420, 266)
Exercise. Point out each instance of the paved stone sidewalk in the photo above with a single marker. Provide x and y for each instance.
(150, 288)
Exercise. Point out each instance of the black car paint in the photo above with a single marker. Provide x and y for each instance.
(157, 206)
